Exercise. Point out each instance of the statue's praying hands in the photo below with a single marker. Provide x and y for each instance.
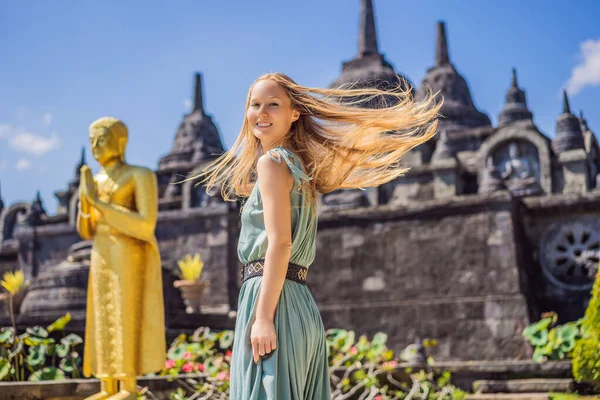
(88, 188)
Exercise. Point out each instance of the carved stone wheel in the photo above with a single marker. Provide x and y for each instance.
(569, 253)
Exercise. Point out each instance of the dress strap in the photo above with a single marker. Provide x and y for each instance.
(278, 153)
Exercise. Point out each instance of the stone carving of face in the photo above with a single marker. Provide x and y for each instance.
(105, 145)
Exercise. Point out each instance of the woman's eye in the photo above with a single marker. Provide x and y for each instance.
(254, 105)
(273, 104)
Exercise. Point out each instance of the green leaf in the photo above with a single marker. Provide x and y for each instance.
(539, 338)
(6, 336)
(226, 339)
(71, 340)
(380, 338)
(37, 331)
(4, 368)
(533, 329)
(62, 349)
(37, 341)
(48, 374)
(69, 364)
(60, 323)
(177, 352)
(37, 356)
(538, 355)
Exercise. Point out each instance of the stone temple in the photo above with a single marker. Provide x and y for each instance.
(492, 226)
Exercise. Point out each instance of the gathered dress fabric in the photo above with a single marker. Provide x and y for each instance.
(298, 367)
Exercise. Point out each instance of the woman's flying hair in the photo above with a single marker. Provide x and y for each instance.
(342, 143)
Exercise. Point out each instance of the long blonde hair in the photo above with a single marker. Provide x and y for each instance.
(341, 143)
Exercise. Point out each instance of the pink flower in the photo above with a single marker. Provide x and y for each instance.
(353, 350)
(169, 364)
(187, 355)
(228, 354)
(378, 397)
(223, 376)
(188, 367)
(200, 367)
(391, 364)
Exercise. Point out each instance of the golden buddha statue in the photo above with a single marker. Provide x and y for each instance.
(124, 333)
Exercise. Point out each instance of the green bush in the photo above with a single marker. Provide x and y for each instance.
(358, 367)
(551, 341)
(36, 356)
(586, 357)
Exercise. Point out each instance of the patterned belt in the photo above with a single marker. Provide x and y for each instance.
(296, 273)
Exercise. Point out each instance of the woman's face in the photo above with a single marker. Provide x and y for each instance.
(270, 113)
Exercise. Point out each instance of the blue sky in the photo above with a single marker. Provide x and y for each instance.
(64, 64)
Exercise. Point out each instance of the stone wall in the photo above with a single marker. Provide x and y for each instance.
(444, 270)
(201, 230)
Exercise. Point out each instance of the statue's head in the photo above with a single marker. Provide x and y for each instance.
(108, 138)
(513, 150)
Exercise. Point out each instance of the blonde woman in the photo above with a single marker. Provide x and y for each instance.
(296, 141)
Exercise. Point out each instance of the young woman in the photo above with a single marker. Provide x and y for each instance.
(296, 141)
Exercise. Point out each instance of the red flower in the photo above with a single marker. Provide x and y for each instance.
(169, 364)
(187, 355)
(200, 367)
(228, 354)
(353, 350)
(188, 367)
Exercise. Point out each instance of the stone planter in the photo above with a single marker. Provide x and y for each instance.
(191, 293)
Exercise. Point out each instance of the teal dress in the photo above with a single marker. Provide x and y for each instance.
(298, 367)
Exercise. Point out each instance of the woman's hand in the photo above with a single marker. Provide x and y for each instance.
(263, 338)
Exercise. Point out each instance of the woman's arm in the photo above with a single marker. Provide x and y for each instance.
(140, 224)
(275, 183)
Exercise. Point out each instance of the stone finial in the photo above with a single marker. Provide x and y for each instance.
(198, 100)
(1, 203)
(443, 77)
(36, 211)
(515, 107)
(441, 46)
(443, 150)
(81, 163)
(566, 107)
(568, 130)
(367, 40)
(583, 122)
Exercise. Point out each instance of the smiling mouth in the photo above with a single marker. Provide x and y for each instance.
(263, 124)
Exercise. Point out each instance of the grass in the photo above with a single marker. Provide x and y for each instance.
(562, 396)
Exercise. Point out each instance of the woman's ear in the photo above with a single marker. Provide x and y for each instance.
(295, 115)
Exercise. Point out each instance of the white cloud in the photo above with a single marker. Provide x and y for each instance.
(28, 142)
(587, 72)
(22, 164)
(47, 119)
(187, 103)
